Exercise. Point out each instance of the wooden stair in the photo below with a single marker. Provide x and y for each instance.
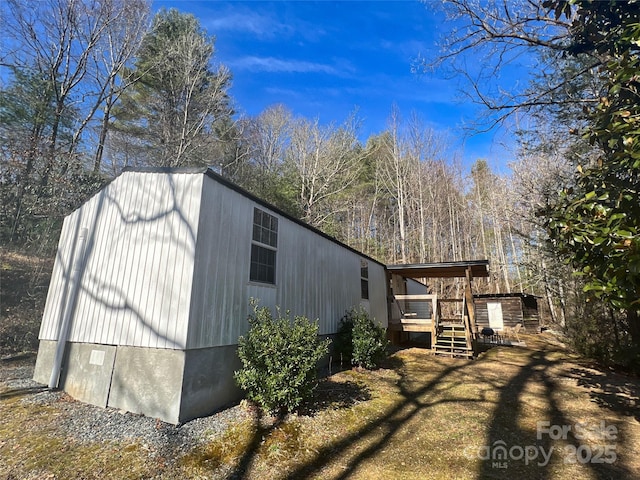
(453, 340)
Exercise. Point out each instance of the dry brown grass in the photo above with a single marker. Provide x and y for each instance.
(24, 280)
(420, 417)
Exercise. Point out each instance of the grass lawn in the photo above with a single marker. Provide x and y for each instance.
(542, 412)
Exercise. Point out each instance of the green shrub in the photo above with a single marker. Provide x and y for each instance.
(343, 345)
(280, 360)
(368, 341)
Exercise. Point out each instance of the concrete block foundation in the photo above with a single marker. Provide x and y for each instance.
(44, 361)
(208, 382)
(148, 381)
(172, 385)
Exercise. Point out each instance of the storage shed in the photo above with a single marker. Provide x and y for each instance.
(152, 283)
(499, 310)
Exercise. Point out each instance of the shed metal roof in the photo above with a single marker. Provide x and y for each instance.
(479, 268)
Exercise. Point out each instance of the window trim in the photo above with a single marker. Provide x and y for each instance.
(364, 279)
(269, 233)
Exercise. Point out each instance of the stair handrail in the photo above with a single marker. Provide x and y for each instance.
(435, 320)
(466, 323)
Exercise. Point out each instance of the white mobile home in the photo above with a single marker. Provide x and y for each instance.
(151, 287)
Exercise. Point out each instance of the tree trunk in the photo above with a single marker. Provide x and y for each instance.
(104, 127)
(53, 141)
(548, 295)
(633, 319)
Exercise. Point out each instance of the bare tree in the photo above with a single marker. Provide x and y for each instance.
(493, 35)
(62, 41)
(121, 40)
(327, 162)
(258, 161)
(63, 57)
(396, 172)
(270, 133)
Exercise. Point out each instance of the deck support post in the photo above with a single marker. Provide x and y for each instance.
(470, 307)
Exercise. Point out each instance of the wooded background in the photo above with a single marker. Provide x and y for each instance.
(91, 87)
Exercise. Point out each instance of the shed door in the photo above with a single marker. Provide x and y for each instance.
(494, 309)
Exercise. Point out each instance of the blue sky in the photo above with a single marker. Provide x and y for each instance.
(325, 59)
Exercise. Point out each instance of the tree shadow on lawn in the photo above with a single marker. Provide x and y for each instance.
(402, 412)
(516, 452)
(262, 430)
(414, 399)
(329, 394)
(504, 425)
(611, 391)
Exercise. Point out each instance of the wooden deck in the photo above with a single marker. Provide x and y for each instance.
(417, 325)
(443, 318)
(451, 321)
(416, 313)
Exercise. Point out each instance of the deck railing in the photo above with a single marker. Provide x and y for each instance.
(417, 313)
(428, 313)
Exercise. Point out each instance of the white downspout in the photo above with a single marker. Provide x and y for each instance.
(69, 308)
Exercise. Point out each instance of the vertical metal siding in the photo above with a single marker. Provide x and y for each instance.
(220, 292)
(58, 290)
(167, 266)
(315, 277)
(138, 267)
(415, 288)
(378, 307)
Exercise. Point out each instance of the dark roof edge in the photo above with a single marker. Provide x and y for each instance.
(165, 169)
(462, 263)
(505, 295)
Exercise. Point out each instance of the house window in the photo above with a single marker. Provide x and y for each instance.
(364, 280)
(263, 247)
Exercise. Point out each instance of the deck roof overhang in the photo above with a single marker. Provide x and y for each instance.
(477, 269)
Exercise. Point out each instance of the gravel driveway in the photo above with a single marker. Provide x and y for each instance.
(88, 423)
